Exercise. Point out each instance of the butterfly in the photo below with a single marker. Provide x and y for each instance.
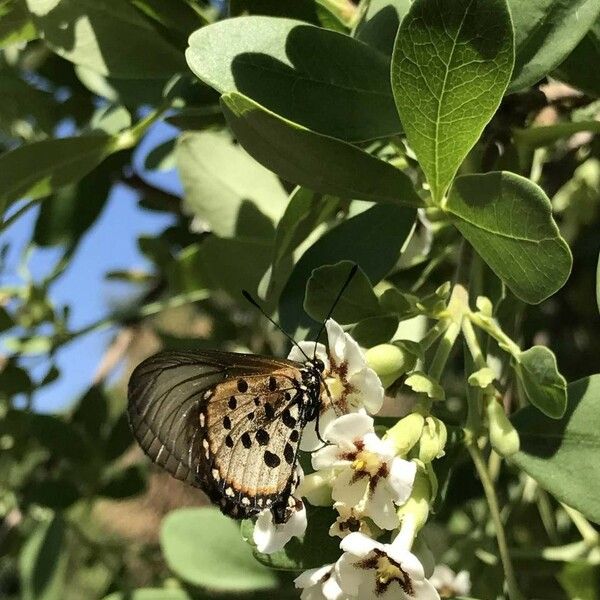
(228, 423)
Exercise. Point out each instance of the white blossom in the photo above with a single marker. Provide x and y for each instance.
(351, 384)
(450, 584)
(320, 584)
(375, 571)
(270, 537)
(349, 519)
(369, 474)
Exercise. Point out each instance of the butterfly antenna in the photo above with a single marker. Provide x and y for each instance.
(351, 274)
(254, 303)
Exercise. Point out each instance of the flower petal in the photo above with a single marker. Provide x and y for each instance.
(424, 590)
(370, 391)
(359, 544)
(349, 576)
(310, 440)
(345, 430)
(381, 508)
(330, 456)
(270, 537)
(401, 478)
(348, 491)
(336, 341)
(312, 576)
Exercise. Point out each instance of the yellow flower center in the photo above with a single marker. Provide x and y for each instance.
(367, 462)
(336, 387)
(387, 571)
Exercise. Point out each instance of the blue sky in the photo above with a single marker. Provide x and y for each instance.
(109, 245)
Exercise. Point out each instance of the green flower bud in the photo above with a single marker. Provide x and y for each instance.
(316, 487)
(503, 436)
(406, 433)
(389, 362)
(418, 504)
(433, 440)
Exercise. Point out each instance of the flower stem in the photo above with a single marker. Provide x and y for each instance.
(490, 494)
(442, 353)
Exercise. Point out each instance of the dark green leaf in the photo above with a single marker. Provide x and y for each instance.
(372, 240)
(323, 80)
(545, 387)
(598, 284)
(15, 23)
(295, 9)
(375, 330)
(197, 119)
(109, 37)
(6, 321)
(451, 65)
(58, 494)
(535, 137)
(123, 483)
(318, 162)
(315, 549)
(228, 192)
(546, 32)
(508, 220)
(161, 157)
(118, 439)
(356, 303)
(37, 169)
(580, 580)
(562, 455)
(200, 545)
(43, 562)
(14, 380)
(381, 22)
(91, 413)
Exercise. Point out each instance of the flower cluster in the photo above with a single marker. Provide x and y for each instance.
(367, 479)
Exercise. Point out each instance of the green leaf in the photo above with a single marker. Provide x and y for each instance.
(423, 384)
(545, 387)
(320, 163)
(380, 24)
(109, 37)
(375, 330)
(15, 23)
(580, 580)
(562, 455)
(323, 80)
(43, 562)
(295, 9)
(161, 157)
(535, 137)
(508, 220)
(91, 413)
(356, 303)
(58, 493)
(14, 380)
(6, 321)
(452, 62)
(118, 438)
(575, 69)
(37, 169)
(197, 119)
(204, 548)
(598, 284)
(313, 550)
(372, 239)
(225, 188)
(152, 594)
(546, 31)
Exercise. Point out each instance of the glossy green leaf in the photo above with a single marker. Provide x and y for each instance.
(43, 562)
(318, 162)
(451, 65)
(372, 239)
(323, 80)
(508, 220)
(375, 330)
(356, 303)
(15, 23)
(575, 69)
(225, 189)
(37, 169)
(546, 31)
(201, 545)
(545, 387)
(380, 24)
(562, 455)
(313, 550)
(152, 594)
(109, 37)
(535, 137)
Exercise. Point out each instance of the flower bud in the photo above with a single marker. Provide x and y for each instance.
(433, 440)
(503, 436)
(389, 362)
(418, 504)
(316, 487)
(406, 433)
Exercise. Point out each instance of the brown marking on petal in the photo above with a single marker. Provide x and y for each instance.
(368, 563)
(357, 476)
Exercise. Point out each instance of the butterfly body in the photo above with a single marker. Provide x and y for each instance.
(227, 423)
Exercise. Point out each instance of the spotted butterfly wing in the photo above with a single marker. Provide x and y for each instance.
(227, 423)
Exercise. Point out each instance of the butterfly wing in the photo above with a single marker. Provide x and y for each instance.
(225, 422)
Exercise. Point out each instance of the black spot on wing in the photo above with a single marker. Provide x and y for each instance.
(271, 460)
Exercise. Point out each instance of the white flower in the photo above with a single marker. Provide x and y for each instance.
(320, 584)
(369, 474)
(349, 519)
(450, 584)
(270, 537)
(351, 383)
(375, 571)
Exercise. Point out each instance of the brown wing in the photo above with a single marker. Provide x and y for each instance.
(225, 422)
